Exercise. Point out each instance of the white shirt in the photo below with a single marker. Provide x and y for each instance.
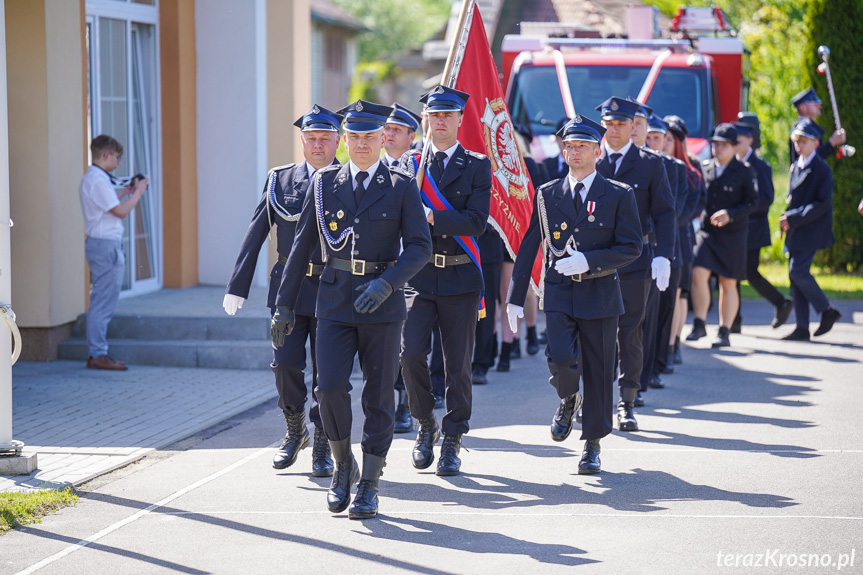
(720, 169)
(745, 158)
(588, 181)
(622, 151)
(370, 170)
(311, 169)
(803, 162)
(98, 197)
(449, 152)
(388, 160)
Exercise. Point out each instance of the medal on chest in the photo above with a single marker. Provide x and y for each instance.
(591, 207)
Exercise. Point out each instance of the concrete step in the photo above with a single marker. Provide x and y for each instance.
(148, 327)
(210, 353)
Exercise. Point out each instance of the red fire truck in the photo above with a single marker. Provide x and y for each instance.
(696, 73)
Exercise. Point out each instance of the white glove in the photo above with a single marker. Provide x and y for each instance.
(576, 263)
(232, 303)
(513, 312)
(660, 270)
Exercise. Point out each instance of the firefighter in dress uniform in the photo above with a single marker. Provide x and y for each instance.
(368, 222)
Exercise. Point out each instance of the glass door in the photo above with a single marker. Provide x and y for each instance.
(123, 103)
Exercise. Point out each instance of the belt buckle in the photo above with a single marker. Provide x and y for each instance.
(439, 261)
(576, 277)
(358, 267)
(309, 273)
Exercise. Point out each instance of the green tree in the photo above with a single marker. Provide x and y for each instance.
(395, 25)
(838, 24)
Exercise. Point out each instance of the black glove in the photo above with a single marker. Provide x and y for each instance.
(374, 294)
(282, 324)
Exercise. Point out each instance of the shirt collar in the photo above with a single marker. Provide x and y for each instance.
(389, 159)
(311, 169)
(449, 151)
(803, 162)
(622, 151)
(588, 181)
(371, 171)
(747, 156)
(103, 172)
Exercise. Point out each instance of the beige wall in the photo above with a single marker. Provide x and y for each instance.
(179, 144)
(46, 105)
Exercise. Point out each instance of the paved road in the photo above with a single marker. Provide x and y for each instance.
(752, 454)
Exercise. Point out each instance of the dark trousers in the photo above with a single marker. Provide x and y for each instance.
(597, 338)
(484, 350)
(634, 288)
(667, 301)
(377, 345)
(804, 288)
(289, 361)
(648, 336)
(436, 370)
(456, 316)
(764, 288)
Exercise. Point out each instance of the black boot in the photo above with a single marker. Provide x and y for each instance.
(503, 360)
(322, 463)
(365, 505)
(639, 400)
(449, 463)
(561, 423)
(589, 464)
(782, 313)
(515, 351)
(656, 382)
(404, 423)
(296, 439)
(347, 473)
(736, 324)
(668, 368)
(625, 415)
(678, 359)
(699, 330)
(721, 339)
(423, 453)
(532, 342)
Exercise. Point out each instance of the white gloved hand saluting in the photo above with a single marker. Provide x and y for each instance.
(513, 312)
(576, 263)
(660, 270)
(232, 303)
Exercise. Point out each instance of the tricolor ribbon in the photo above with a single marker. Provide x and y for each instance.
(435, 200)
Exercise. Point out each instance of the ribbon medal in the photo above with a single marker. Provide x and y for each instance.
(591, 206)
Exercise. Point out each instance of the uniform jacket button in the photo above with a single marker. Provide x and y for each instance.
(599, 269)
(444, 236)
(356, 220)
(576, 230)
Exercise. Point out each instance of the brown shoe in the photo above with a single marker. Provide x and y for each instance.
(106, 362)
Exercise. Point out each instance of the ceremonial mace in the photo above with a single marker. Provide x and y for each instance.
(845, 151)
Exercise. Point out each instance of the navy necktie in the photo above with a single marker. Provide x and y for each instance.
(359, 189)
(613, 159)
(577, 197)
(438, 168)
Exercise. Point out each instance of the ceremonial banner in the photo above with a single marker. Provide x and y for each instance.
(487, 128)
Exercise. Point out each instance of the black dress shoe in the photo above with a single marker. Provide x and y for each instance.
(678, 359)
(561, 423)
(478, 376)
(423, 453)
(830, 316)
(736, 324)
(783, 312)
(532, 341)
(515, 351)
(346, 474)
(449, 462)
(626, 418)
(698, 330)
(365, 505)
(296, 439)
(721, 339)
(404, 423)
(439, 402)
(655, 383)
(322, 463)
(799, 334)
(589, 464)
(639, 400)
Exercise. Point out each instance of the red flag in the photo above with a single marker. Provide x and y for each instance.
(487, 128)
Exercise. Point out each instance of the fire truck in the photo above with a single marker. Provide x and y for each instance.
(696, 72)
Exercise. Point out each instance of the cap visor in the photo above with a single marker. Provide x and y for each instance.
(615, 116)
(319, 127)
(580, 138)
(400, 122)
(443, 108)
(362, 127)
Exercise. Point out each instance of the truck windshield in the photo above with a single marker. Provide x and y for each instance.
(536, 99)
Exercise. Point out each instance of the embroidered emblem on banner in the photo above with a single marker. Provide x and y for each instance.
(506, 163)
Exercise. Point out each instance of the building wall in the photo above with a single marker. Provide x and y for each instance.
(46, 91)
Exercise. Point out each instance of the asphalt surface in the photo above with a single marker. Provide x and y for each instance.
(748, 461)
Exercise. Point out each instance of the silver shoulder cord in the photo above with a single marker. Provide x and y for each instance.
(545, 244)
(337, 244)
(277, 207)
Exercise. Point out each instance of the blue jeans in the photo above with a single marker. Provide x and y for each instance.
(107, 262)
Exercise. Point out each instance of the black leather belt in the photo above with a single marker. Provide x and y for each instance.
(313, 269)
(359, 267)
(442, 261)
(593, 276)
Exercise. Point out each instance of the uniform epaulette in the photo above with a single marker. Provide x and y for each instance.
(329, 168)
(705, 162)
(401, 171)
(285, 167)
(620, 184)
(652, 151)
(548, 184)
(476, 155)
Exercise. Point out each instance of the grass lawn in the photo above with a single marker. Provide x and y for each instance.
(29, 507)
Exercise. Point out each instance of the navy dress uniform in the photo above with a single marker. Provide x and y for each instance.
(809, 217)
(825, 149)
(581, 310)
(491, 250)
(447, 291)
(280, 205)
(370, 226)
(645, 173)
(758, 234)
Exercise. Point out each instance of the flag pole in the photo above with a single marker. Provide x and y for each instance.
(457, 47)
